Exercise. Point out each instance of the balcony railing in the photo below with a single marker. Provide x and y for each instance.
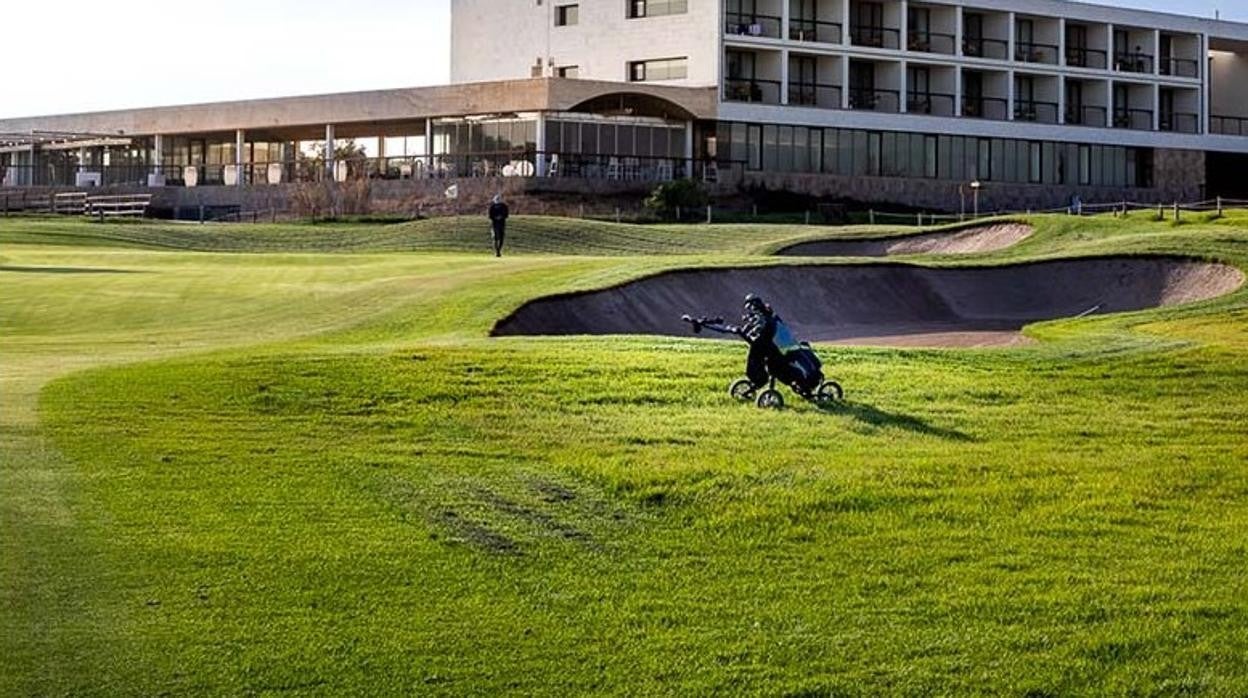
(742, 24)
(1229, 125)
(875, 100)
(1086, 116)
(816, 31)
(932, 103)
(749, 90)
(875, 37)
(1035, 111)
(815, 95)
(1032, 52)
(1179, 122)
(1134, 119)
(995, 108)
(1180, 67)
(1080, 57)
(1133, 62)
(931, 42)
(978, 47)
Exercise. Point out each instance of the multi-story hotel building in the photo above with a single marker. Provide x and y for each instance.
(901, 101)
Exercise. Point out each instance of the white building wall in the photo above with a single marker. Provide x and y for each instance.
(501, 39)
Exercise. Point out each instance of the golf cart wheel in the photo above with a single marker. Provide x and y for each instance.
(830, 391)
(770, 399)
(741, 390)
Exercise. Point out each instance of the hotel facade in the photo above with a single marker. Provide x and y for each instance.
(891, 101)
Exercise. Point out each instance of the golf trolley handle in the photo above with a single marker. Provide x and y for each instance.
(713, 324)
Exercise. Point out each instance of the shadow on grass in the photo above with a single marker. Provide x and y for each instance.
(67, 270)
(878, 418)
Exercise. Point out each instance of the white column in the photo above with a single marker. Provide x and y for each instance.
(1009, 90)
(158, 149)
(329, 152)
(1013, 37)
(1156, 107)
(541, 144)
(1204, 82)
(1156, 52)
(784, 74)
(957, 82)
(845, 32)
(82, 159)
(903, 88)
(1061, 99)
(1061, 41)
(957, 49)
(1111, 50)
(903, 29)
(240, 141)
(845, 77)
(785, 16)
(689, 149)
(1109, 102)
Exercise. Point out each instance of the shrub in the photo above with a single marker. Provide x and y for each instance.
(680, 195)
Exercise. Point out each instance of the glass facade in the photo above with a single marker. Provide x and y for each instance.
(862, 153)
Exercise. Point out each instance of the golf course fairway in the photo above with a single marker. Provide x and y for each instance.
(240, 460)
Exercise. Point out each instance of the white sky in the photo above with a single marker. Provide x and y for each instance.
(62, 56)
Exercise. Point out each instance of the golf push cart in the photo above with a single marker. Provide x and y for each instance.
(798, 367)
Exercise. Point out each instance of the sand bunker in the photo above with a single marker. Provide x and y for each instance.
(980, 238)
(883, 304)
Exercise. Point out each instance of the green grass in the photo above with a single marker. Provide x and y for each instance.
(312, 472)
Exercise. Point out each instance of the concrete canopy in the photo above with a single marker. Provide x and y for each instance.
(374, 108)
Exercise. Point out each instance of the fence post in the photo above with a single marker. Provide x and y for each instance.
(918, 220)
(582, 210)
(1161, 214)
(708, 214)
(678, 212)
(201, 213)
(617, 214)
(1219, 207)
(755, 210)
(1079, 208)
(871, 216)
(1176, 211)
(807, 216)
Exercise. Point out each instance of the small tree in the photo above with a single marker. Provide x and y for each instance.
(680, 195)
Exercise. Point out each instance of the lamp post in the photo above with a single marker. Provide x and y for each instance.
(975, 186)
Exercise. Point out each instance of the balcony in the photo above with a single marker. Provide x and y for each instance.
(1086, 116)
(875, 100)
(874, 36)
(980, 47)
(819, 95)
(1035, 111)
(1134, 119)
(1179, 122)
(1032, 52)
(755, 25)
(932, 42)
(1133, 62)
(752, 90)
(930, 103)
(816, 31)
(995, 108)
(1180, 67)
(1228, 125)
(1080, 57)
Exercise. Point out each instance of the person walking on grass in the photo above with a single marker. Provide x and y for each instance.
(498, 222)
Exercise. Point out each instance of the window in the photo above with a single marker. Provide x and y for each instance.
(656, 8)
(659, 69)
(568, 71)
(566, 15)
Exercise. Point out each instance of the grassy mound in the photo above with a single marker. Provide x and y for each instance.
(315, 473)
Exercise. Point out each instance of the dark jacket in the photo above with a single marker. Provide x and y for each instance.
(498, 213)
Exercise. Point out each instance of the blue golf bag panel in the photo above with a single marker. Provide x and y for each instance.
(784, 339)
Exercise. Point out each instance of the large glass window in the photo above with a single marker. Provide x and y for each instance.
(656, 8)
(658, 69)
